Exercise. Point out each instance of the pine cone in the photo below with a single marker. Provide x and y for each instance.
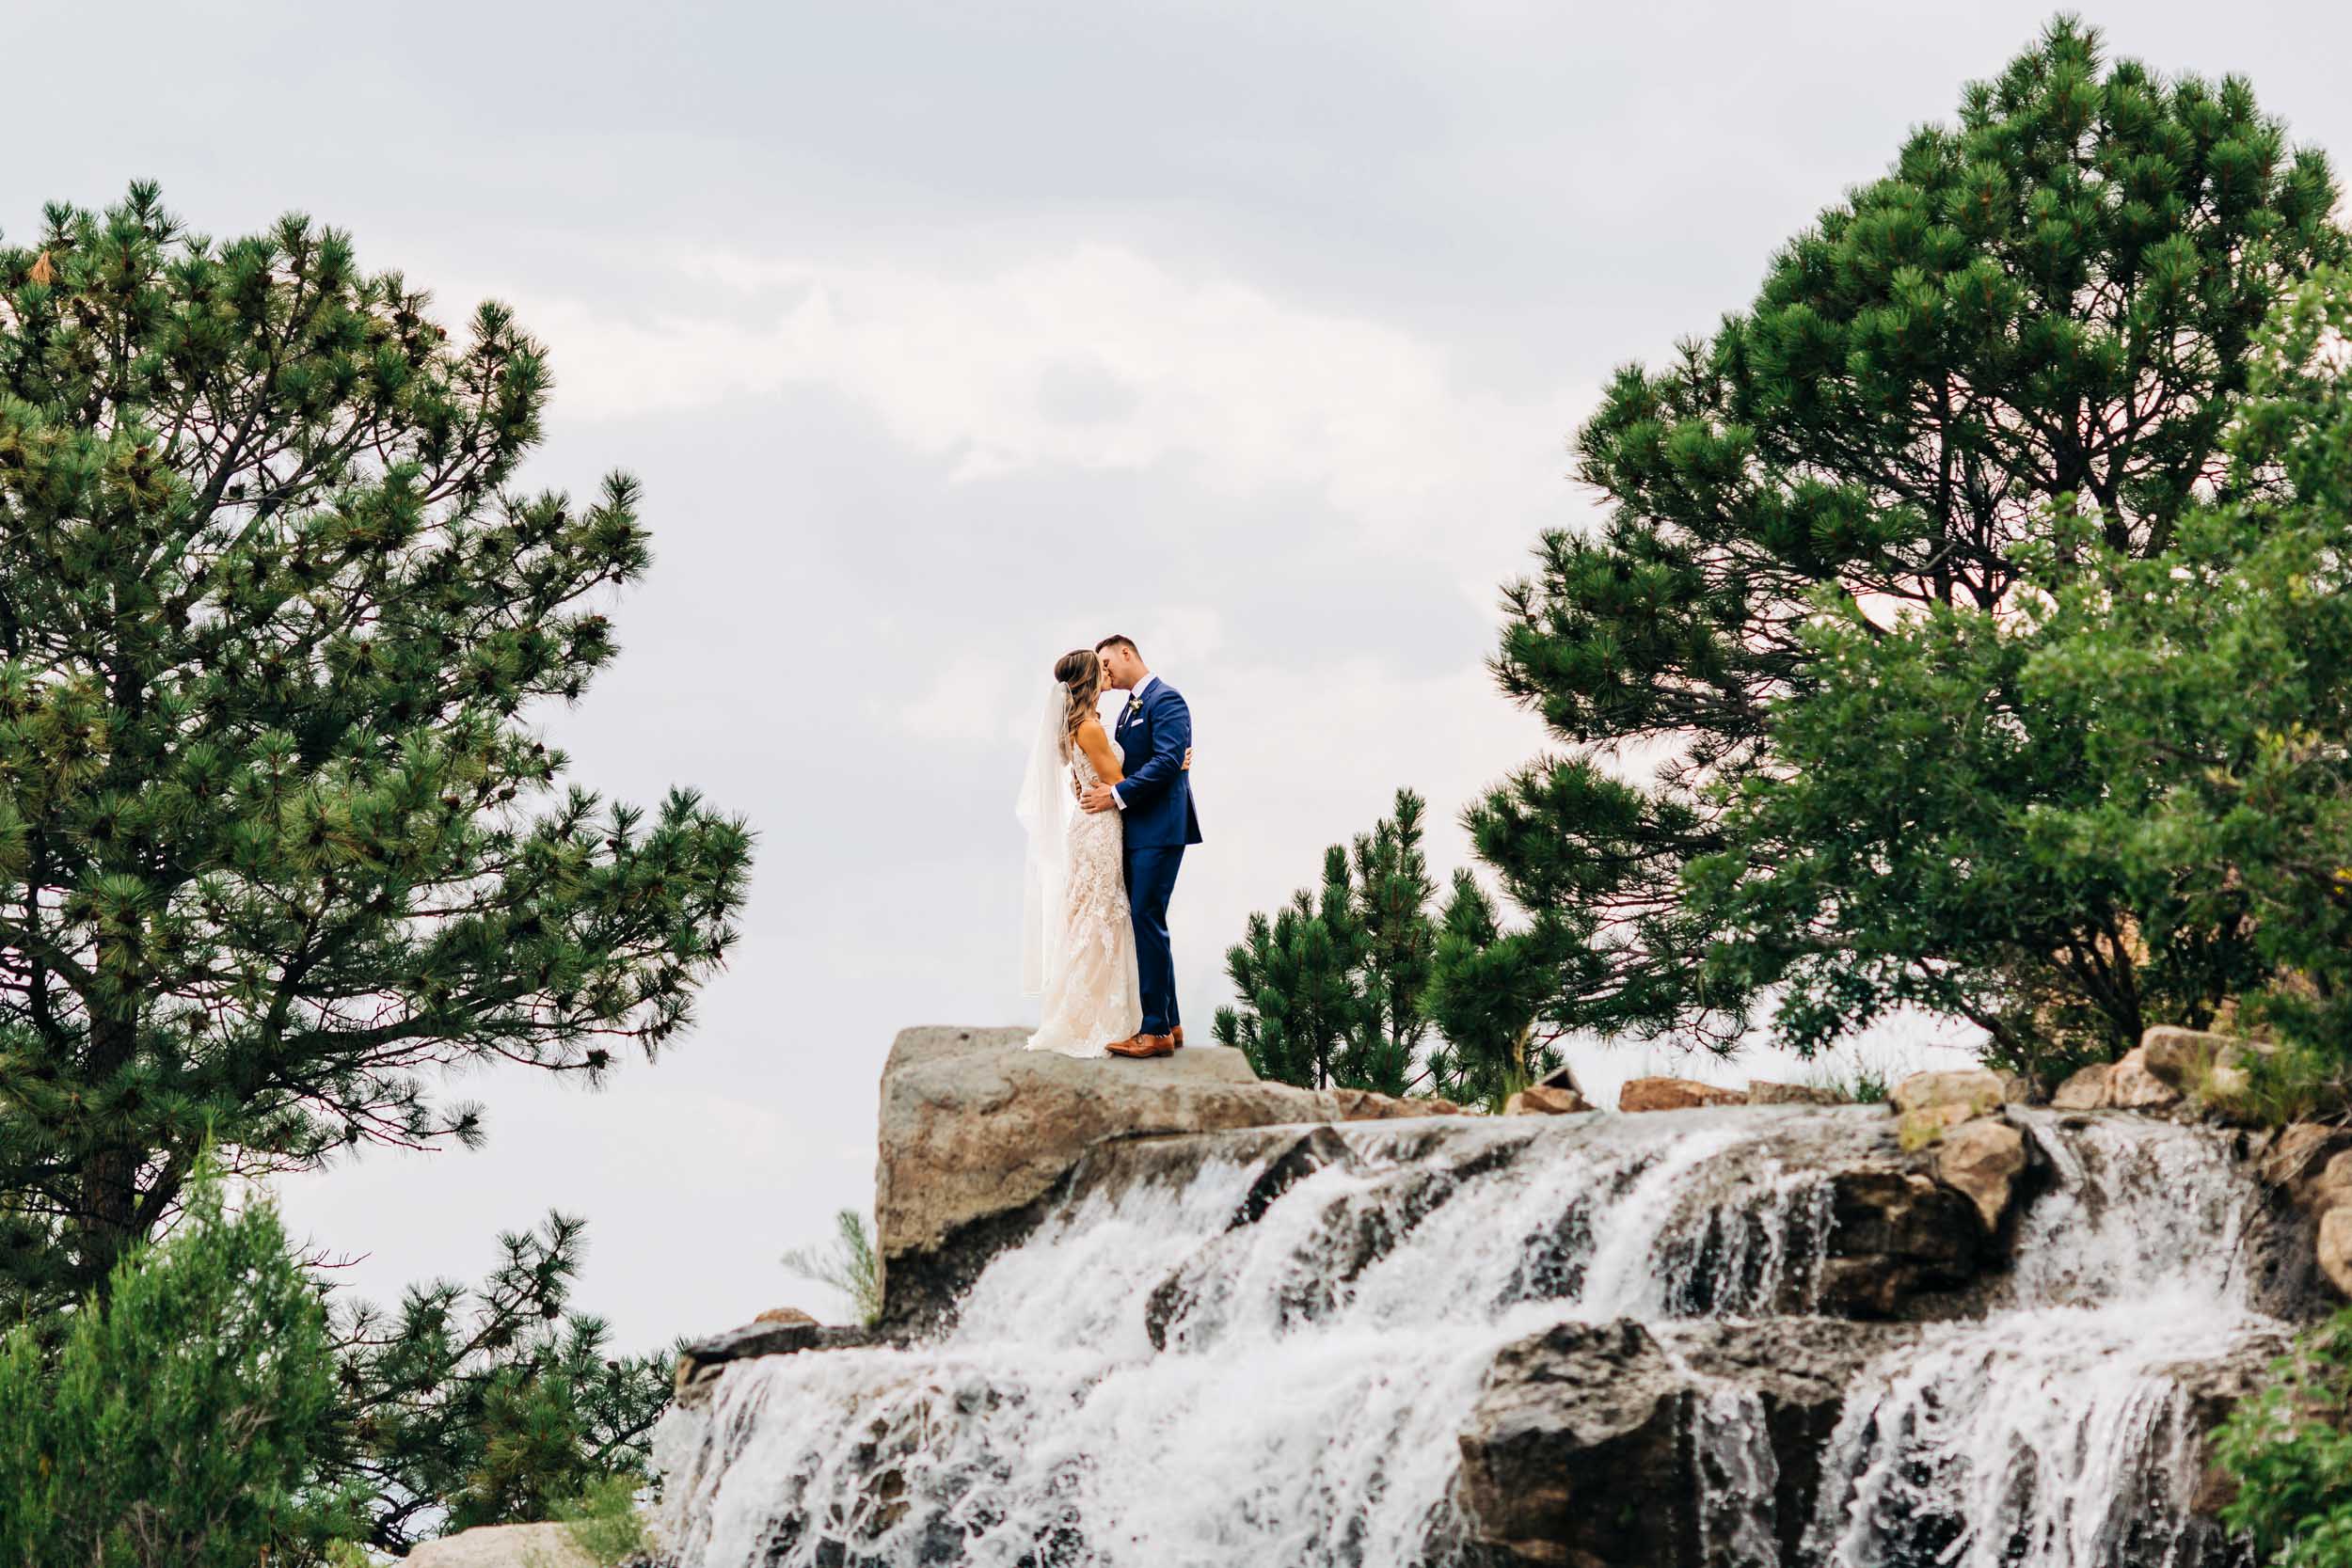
(42, 272)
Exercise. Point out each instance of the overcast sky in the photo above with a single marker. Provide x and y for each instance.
(945, 338)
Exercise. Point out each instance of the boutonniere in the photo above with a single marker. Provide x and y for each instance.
(1135, 705)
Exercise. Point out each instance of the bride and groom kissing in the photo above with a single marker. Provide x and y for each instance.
(1109, 815)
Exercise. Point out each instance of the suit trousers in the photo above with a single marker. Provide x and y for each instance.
(1150, 879)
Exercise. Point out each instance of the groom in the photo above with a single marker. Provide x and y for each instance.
(1154, 738)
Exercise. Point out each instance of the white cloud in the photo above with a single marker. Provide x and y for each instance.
(1092, 358)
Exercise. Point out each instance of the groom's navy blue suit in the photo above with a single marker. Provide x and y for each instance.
(1154, 732)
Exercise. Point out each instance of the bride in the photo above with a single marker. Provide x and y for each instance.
(1078, 947)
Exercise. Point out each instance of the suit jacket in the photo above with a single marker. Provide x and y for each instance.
(1156, 796)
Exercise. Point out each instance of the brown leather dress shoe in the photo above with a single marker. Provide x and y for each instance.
(1139, 1046)
(1176, 1037)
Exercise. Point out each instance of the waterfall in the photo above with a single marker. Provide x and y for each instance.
(2051, 1435)
(1214, 1352)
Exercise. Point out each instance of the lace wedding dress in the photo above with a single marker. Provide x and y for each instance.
(1092, 996)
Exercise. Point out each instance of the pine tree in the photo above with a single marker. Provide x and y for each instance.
(1484, 992)
(2050, 304)
(1392, 890)
(176, 1427)
(1304, 1007)
(490, 1406)
(1334, 988)
(277, 843)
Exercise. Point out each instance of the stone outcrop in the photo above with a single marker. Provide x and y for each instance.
(2309, 1165)
(2132, 1086)
(1791, 1250)
(2186, 1058)
(1763, 1093)
(1983, 1158)
(2085, 1089)
(783, 1332)
(1542, 1100)
(1675, 1094)
(503, 1546)
(1925, 1125)
(976, 1132)
(1578, 1421)
(1979, 1089)
(1901, 1240)
(1561, 1077)
(2335, 1248)
(2297, 1161)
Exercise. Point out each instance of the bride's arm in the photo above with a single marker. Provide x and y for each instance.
(1097, 745)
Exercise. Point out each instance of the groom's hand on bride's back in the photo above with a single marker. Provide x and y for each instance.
(1187, 759)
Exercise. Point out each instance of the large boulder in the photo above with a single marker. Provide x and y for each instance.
(976, 1132)
(2335, 1249)
(1979, 1089)
(1542, 1100)
(2186, 1058)
(1900, 1241)
(1983, 1158)
(2133, 1087)
(1675, 1094)
(2085, 1089)
(1580, 1451)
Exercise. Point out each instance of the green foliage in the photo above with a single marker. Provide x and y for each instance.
(276, 844)
(851, 1265)
(2301, 1080)
(604, 1523)
(1302, 1003)
(1335, 987)
(2289, 1449)
(176, 1426)
(1393, 891)
(1484, 990)
(1858, 1082)
(2122, 800)
(2041, 320)
(493, 1405)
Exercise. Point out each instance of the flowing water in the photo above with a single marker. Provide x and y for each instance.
(1211, 1351)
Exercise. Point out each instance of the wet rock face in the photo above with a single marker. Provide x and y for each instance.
(1763, 1336)
(700, 1361)
(1605, 1446)
(976, 1132)
(1900, 1235)
(1983, 1158)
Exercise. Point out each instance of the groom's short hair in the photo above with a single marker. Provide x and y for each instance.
(1115, 640)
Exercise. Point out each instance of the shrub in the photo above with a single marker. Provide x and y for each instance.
(2290, 1453)
(848, 1266)
(176, 1424)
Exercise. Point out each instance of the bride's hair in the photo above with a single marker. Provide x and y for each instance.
(1080, 672)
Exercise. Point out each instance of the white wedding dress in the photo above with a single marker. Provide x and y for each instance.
(1092, 995)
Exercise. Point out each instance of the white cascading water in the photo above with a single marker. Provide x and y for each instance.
(1143, 1383)
(2038, 1437)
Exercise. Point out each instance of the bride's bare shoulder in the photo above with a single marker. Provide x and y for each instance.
(1097, 745)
